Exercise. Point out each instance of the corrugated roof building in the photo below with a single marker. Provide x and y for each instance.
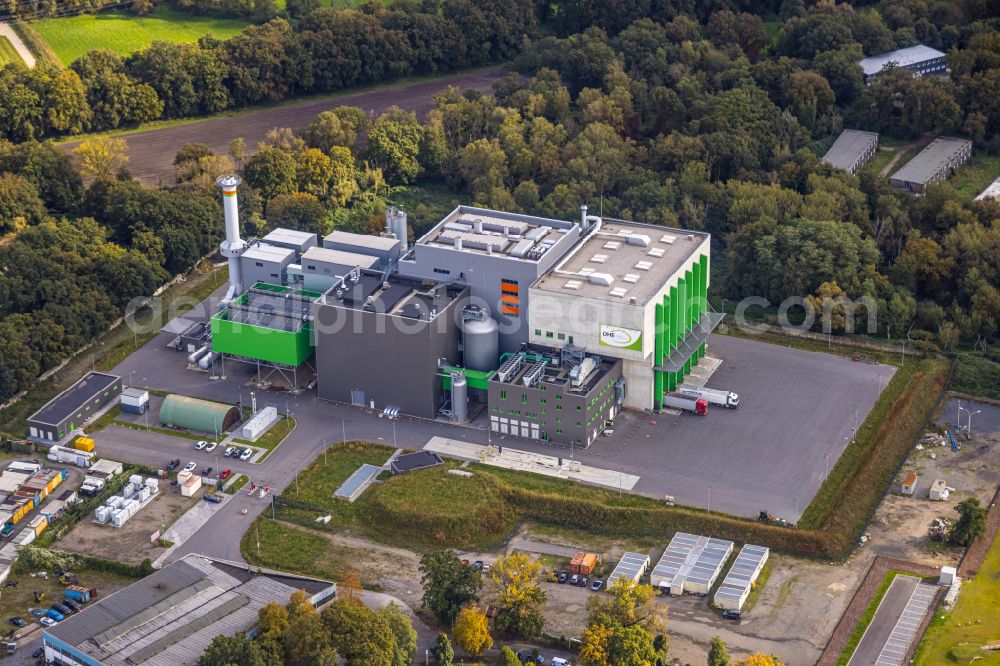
(919, 59)
(933, 164)
(171, 616)
(181, 411)
(852, 150)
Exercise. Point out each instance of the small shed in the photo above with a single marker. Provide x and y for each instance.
(135, 400)
(253, 428)
(948, 575)
(909, 483)
(181, 411)
(939, 490)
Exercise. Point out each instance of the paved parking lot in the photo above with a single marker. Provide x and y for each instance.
(892, 630)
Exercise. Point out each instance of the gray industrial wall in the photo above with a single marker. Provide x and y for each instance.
(394, 365)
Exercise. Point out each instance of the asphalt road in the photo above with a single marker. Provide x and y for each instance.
(891, 631)
(151, 153)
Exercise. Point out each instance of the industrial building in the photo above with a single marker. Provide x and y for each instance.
(631, 566)
(691, 564)
(171, 616)
(852, 150)
(919, 59)
(741, 577)
(933, 164)
(181, 411)
(992, 191)
(549, 326)
(379, 343)
(60, 417)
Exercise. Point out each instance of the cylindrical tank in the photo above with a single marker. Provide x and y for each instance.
(459, 397)
(395, 223)
(195, 355)
(482, 343)
(206, 361)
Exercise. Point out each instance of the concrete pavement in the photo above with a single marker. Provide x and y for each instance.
(15, 40)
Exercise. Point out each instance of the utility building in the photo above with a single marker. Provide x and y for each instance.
(635, 292)
(852, 150)
(261, 262)
(933, 164)
(297, 241)
(379, 343)
(919, 59)
(383, 248)
(497, 255)
(322, 268)
(63, 414)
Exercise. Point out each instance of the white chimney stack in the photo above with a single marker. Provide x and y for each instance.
(233, 246)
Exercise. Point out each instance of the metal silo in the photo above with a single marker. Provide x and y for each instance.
(459, 397)
(482, 343)
(395, 224)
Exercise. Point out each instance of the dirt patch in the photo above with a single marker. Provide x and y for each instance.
(130, 543)
(901, 523)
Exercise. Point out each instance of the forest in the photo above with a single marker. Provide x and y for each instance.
(708, 116)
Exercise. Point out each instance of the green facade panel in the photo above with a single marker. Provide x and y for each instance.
(263, 344)
(682, 308)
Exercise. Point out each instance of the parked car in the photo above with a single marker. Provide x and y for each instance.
(206, 471)
(246, 454)
(574, 579)
(62, 609)
(211, 446)
(213, 498)
(478, 564)
(72, 604)
(201, 444)
(46, 622)
(584, 581)
(173, 464)
(18, 622)
(465, 561)
(190, 466)
(596, 586)
(37, 612)
(55, 615)
(732, 614)
(225, 474)
(230, 450)
(563, 576)
(39, 651)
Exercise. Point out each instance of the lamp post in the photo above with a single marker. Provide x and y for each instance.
(968, 427)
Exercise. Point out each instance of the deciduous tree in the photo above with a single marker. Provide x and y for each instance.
(448, 584)
(971, 523)
(472, 631)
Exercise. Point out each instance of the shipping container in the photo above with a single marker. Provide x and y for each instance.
(77, 593)
(583, 563)
(83, 444)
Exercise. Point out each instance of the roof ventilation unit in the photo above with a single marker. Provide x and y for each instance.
(579, 373)
(603, 279)
(510, 367)
(641, 240)
(532, 376)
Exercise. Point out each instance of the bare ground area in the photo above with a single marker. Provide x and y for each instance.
(130, 542)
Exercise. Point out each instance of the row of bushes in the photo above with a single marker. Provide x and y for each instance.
(35, 558)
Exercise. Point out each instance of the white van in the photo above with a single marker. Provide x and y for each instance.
(559, 661)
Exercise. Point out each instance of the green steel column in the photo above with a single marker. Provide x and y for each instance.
(658, 335)
(674, 316)
(696, 286)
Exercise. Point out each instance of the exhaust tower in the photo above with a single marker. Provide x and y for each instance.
(233, 246)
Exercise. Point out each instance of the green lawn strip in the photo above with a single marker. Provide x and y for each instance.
(110, 348)
(163, 431)
(954, 636)
(237, 485)
(972, 177)
(124, 33)
(8, 54)
(274, 436)
(105, 419)
(866, 617)
(976, 374)
(287, 547)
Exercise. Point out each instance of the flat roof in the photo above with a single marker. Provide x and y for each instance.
(61, 407)
(339, 257)
(276, 308)
(171, 616)
(538, 364)
(265, 252)
(929, 161)
(409, 462)
(911, 55)
(992, 191)
(631, 565)
(690, 557)
(621, 261)
(484, 231)
(399, 295)
(290, 236)
(133, 392)
(741, 576)
(362, 240)
(849, 147)
(357, 481)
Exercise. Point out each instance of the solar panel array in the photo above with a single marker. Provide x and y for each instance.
(740, 579)
(691, 563)
(631, 566)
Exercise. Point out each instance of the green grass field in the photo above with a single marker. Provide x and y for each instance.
(954, 636)
(72, 36)
(7, 53)
(973, 176)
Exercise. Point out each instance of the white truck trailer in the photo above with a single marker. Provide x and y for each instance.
(726, 399)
